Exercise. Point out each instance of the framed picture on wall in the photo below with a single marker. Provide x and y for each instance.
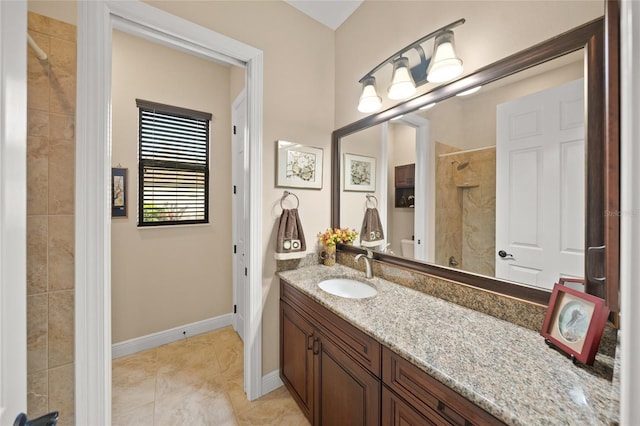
(574, 323)
(359, 173)
(118, 192)
(298, 166)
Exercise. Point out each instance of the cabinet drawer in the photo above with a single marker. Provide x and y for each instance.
(358, 345)
(396, 412)
(428, 395)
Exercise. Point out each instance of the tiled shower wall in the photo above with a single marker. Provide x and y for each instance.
(51, 89)
(466, 208)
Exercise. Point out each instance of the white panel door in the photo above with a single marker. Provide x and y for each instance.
(239, 212)
(540, 160)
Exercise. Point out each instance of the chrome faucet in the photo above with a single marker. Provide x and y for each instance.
(367, 263)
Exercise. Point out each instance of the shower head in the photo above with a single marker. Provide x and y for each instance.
(461, 166)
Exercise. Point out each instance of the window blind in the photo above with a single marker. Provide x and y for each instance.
(173, 165)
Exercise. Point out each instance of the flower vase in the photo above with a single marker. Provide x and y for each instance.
(328, 255)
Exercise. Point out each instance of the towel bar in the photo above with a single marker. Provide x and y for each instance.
(285, 195)
(369, 197)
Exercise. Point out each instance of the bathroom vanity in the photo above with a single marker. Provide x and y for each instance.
(404, 357)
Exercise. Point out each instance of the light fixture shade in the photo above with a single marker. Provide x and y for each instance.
(369, 99)
(402, 84)
(445, 65)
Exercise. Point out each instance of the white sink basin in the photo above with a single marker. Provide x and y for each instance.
(345, 287)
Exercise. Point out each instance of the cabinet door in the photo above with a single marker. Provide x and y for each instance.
(346, 393)
(395, 412)
(296, 357)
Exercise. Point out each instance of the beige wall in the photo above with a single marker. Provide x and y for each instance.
(51, 92)
(165, 277)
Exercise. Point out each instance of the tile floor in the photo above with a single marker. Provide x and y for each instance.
(195, 381)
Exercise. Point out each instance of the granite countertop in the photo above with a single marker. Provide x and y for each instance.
(506, 369)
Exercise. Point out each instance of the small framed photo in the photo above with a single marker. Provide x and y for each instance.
(118, 192)
(574, 323)
(298, 166)
(359, 173)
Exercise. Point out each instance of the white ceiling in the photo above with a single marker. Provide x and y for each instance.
(331, 13)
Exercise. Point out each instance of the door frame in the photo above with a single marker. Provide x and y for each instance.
(425, 177)
(13, 210)
(96, 21)
(241, 98)
(629, 213)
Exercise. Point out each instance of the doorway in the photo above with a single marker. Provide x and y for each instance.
(96, 21)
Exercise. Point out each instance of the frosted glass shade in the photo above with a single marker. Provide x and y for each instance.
(402, 85)
(369, 99)
(445, 65)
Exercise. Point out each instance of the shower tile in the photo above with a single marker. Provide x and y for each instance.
(61, 176)
(37, 332)
(37, 175)
(37, 123)
(61, 328)
(38, 393)
(61, 389)
(53, 27)
(62, 77)
(61, 252)
(37, 236)
(62, 126)
(38, 76)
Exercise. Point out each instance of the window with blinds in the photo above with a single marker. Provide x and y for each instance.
(173, 162)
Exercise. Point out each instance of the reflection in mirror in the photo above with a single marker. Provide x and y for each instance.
(485, 183)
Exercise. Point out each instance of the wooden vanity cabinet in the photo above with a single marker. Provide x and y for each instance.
(330, 367)
(345, 392)
(340, 376)
(296, 357)
(412, 397)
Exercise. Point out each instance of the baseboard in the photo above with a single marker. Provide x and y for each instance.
(271, 381)
(149, 341)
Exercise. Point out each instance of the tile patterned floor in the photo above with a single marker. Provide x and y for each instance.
(195, 381)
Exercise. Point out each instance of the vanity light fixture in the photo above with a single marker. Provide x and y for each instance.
(445, 65)
(469, 91)
(369, 100)
(402, 84)
(436, 66)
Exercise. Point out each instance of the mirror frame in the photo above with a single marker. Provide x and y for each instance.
(589, 37)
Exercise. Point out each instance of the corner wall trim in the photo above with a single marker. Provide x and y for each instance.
(271, 381)
(153, 340)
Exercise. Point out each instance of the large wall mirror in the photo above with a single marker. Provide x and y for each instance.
(498, 188)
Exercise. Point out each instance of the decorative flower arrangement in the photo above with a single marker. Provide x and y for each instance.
(332, 236)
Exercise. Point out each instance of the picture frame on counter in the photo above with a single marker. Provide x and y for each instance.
(574, 323)
(359, 173)
(298, 166)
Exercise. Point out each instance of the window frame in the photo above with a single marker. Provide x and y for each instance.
(143, 163)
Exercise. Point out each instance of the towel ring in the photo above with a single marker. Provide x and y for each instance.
(285, 195)
(369, 197)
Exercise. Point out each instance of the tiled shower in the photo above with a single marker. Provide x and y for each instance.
(51, 89)
(466, 208)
